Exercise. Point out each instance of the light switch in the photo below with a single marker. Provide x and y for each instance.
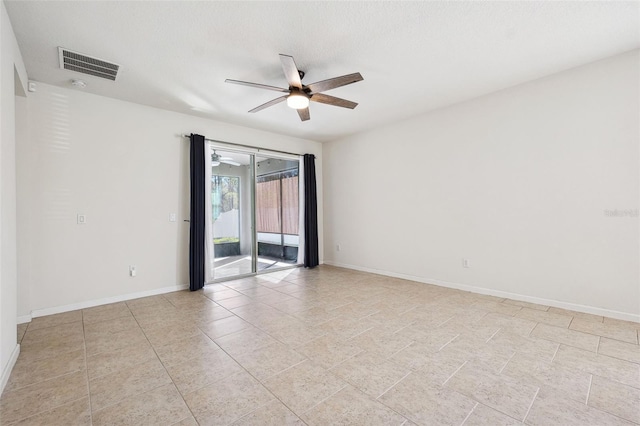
(172, 217)
(82, 219)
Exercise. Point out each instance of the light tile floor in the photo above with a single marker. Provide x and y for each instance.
(320, 347)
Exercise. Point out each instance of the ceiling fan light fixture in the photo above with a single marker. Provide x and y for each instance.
(215, 159)
(297, 101)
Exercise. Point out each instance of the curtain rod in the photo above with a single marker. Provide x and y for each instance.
(247, 146)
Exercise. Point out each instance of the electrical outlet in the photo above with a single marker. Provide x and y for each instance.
(466, 263)
(172, 217)
(132, 271)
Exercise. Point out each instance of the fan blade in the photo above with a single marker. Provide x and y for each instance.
(233, 163)
(270, 103)
(304, 114)
(256, 85)
(332, 83)
(291, 71)
(332, 100)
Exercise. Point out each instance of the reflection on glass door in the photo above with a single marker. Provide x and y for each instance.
(231, 211)
(276, 212)
(254, 213)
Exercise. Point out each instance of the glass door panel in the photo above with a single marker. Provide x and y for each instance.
(276, 212)
(232, 213)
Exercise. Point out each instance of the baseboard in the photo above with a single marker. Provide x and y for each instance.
(97, 302)
(24, 319)
(498, 293)
(7, 369)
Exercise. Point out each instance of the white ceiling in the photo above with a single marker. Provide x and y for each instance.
(414, 57)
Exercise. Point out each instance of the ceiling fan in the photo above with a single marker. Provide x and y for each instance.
(216, 159)
(298, 94)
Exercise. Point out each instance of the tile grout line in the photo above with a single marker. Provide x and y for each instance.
(531, 405)
(355, 335)
(393, 385)
(267, 319)
(589, 390)
(323, 400)
(454, 373)
(250, 412)
(450, 341)
(556, 352)
(15, 422)
(161, 363)
(261, 383)
(86, 371)
(506, 363)
(469, 415)
(398, 351)
(493, 335)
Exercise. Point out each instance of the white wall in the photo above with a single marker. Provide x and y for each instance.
(125, 167)
(12, 80)
(517, 182)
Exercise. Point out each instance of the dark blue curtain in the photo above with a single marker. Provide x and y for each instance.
(311, 257)
(196, 232)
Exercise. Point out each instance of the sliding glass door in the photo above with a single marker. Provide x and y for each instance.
(277, 212)
(254, 213)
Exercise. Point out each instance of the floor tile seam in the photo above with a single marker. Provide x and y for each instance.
(530, 406)
(619, 359)
(399, 350)
(262, 384)
(51, 339)
(454, 373)
(507, 363)
(185, 418)
(101, 376)
(369, 397)
(322, 400)
(445, 321)
(393, 385)
(227, 334)
(50, 326)
(600, 336)
(335, 365)
(586, 402)
(129, 397)
(360, 333)
(564, 343)
(164, 367)
(457, 336)
(307, 359)
(470, 396)
(611, 414)
(263, 380)
(494, 334)
(23, 334)
(469, 414)
(30, 416)
(503, 413)
(541, 310)
(613, 358)
(107, 319)
(86, 369)
(9, 391)
(249, 413)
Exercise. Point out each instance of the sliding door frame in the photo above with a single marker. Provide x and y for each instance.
(253, 177)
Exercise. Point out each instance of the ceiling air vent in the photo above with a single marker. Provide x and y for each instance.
(74, 61)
